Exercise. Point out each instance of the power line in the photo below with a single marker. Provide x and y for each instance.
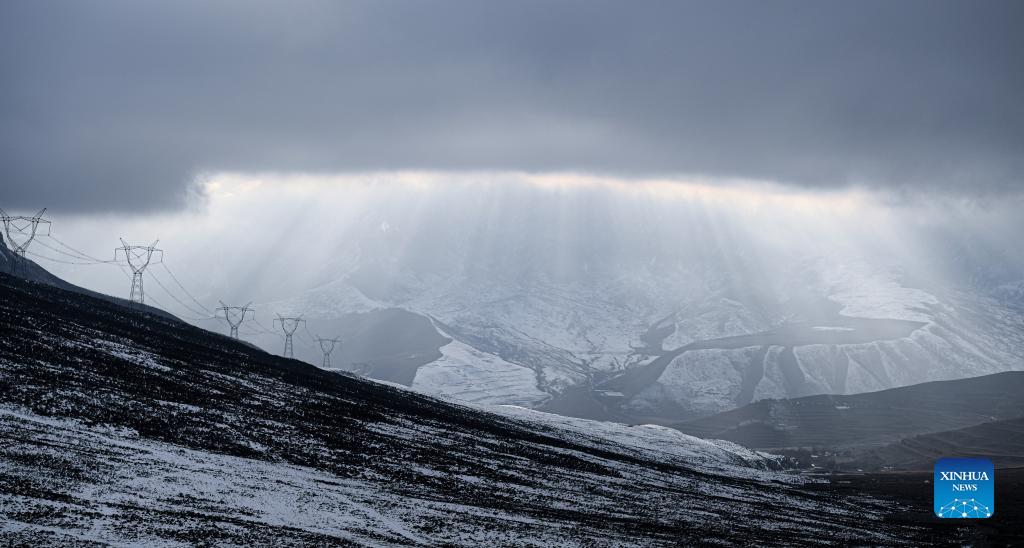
(82, 253)
(248, 331)
(306, 338)
(138, 258)
(40, 256)
(71, 255)
(261, 326)
(175, 278)
(176, 299)
(127, 275)
(199, 319)
(158, 304)
(313, 338)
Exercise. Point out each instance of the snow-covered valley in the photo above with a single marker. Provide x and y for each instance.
(846, 330)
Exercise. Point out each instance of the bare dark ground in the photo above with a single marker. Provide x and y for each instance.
(914, 489)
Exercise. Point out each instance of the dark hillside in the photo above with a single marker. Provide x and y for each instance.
(120, 423)
(868, 419)
(1001, 441)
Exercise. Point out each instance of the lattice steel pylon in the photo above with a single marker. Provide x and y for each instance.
(289, 325)
(235, 315)
(20, 231)
(327, 346)
(138, 257)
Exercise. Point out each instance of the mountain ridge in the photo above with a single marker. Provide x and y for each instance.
(870, 418)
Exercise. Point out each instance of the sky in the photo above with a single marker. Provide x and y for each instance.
(275, 147)
(270, 238)
(115, 107)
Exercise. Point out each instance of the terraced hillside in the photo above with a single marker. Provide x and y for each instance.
(1001, 441)
(870, 419)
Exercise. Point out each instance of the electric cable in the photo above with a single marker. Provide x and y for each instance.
(167, 291)
(81, 253)
(263, 327)
(51, 259)
(175, 278)
(71, 255)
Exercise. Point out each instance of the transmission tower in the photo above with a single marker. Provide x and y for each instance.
(327, 346)
(289, 325)
(235, 315)
(138, 257)
(20, 231)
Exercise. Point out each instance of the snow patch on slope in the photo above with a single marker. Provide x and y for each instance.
(660, 443)
(872, 292)
(697, 381)
(467, 374)
(123, 475)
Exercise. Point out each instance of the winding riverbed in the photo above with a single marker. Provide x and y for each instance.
(594, 402)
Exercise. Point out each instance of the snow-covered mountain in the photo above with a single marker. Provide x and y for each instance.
(650, 305)
(665, 335)
(125, 427)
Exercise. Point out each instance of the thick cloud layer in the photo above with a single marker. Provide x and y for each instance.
(120, 105)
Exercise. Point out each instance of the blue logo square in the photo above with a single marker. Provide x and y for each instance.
(964, 488)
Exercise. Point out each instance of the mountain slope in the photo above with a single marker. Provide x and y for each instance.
(1001, 441)
(123, 426)
(873, 418)
(679, 341)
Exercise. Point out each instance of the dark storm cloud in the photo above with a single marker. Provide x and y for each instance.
(118, 105)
